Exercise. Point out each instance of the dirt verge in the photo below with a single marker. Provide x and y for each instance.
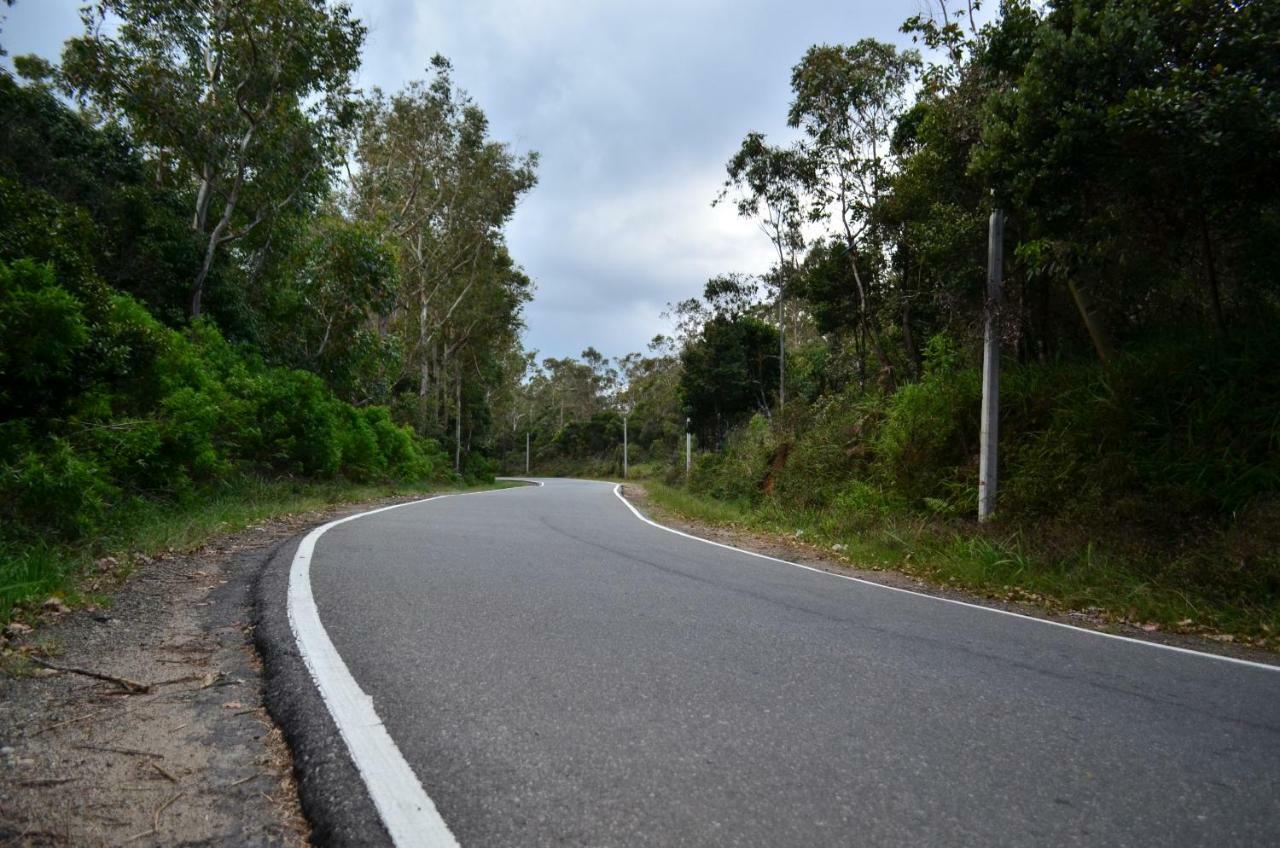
(190, 755)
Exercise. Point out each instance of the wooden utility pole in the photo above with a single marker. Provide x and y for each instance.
(526, 453)
(987, 458)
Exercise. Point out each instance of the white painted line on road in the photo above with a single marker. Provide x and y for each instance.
(410, 816)
(407, 812)
(617, 490)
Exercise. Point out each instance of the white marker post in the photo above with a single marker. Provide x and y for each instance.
(989, 441)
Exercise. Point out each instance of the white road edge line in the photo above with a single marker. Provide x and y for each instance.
(617, 490)
(410, 816)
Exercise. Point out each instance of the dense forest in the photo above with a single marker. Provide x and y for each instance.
(1131, 145)
(222, 267)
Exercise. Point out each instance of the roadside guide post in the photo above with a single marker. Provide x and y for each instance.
(991, 371)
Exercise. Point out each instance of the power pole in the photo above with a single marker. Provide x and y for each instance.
(987, 457)
(782, 349)
(688, 449)
(526, 453)
(624, 447)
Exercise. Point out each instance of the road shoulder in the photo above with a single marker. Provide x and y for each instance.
(196, 757)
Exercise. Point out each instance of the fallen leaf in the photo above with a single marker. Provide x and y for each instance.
(233, 705)
(15, 629)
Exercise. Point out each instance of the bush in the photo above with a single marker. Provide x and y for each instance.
(297, 424)
(929, 435)
(145, 410)
(55, 491)
(37, 369)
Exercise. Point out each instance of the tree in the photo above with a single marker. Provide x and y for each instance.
(1132, 138)
(325, 310)
(429, 173)
(846, 100)
(767, 181)
(247, 102)
(141, 243)
(728, 375)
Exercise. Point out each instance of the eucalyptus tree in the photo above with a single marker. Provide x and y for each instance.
(426, 169)
(766, 184)
(847, 101)
(245, 101)
(324, 305)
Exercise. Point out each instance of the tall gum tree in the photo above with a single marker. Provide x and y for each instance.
(426, 169)
(766, 183)
(846, 101)
(246, 101)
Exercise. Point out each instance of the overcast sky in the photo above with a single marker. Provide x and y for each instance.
(634, 107)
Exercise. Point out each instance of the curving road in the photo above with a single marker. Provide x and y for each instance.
(556, 671)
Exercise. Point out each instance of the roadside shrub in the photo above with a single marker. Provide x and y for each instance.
(55, 491)
(43, 333)
(297, 423)
(739, 470)
(361, 457)
(477, 468)
(831, 446)
(929, 431)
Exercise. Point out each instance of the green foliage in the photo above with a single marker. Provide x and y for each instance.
(139, 240)
(248, 106)
(56, 491)
(738, 472)
(730, 372)
(158, 412)
(929, 434)
(34, 367)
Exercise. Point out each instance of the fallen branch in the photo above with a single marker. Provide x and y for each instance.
(133, 687)
(46, 781)
(133, 752)
(164, 773)
(155, 824)
(65, 723)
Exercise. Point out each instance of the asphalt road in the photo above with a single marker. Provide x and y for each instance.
(558, 672)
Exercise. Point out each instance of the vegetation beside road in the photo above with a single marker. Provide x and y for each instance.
(205, 318)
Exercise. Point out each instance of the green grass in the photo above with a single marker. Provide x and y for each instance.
(998, 565)
(29, 573)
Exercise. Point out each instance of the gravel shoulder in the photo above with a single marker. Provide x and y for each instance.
(194, 759)
(794, 550)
